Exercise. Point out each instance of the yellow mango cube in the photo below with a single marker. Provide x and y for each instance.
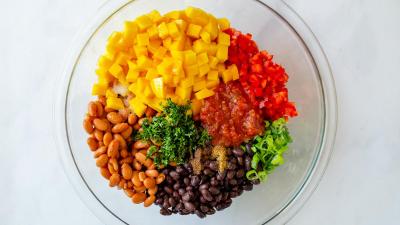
(213, 62)
(116, 70)
(157, 85)
(190, 57)
(155, 103)
(183, 93)
(160, 53)
(137, 106)
(140, 51)
(167, 42)
(221, 68)
(144, 22)
(223, 23)
(205, 36)
(178, 44)
(197, 16)
(148, 92)
(155, 16)
(211, 84)
(165, 67)
(177, 55)
(192, 70)
(224, 39)
(193, 31)
(212, 29)
(226, 76)
(212, 75)
(173, 30)
(199, 85)
(114, 103)
(173, 15)
(153, 32)
(222, 53)
(144, 62)
(99, 89)
(133, 72)
(196, 106)
(143, 39)
(188, 44)
(104, 62)
(202, 58)
(130, 30)
(204, 93)
(163, 30)
(122, 59)
(234, 71)
(110, 93)
(203, 70)
(151, 74)
(182, 25)
(187, 82)
(200, 46)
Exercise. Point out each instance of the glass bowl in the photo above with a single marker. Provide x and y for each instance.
(276, 28)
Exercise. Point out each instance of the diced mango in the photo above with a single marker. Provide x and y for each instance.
(130, 30)
(137, 106)
(99, 89)
(199, 85)
(148, 92)
(104, 62)
(187, 82)
(212, 28)
(163, 30)
(144, 22)
(177, 55)
(192, 70)
(110, 93)
(193, 30)
(199, 46)
(144, 62)
(153, 32)
(173, 15)
(197, 16)
(173, 30)
(133, 72)
(190, 57)
(211, 84)
(226, 76)
(203, 69)
(167, 42)
(116, 70)
(234, 71)
(157, 85)
(223, 23)
(204, 93)
(140, 51)
(224, 39)
(114, 103)
(183, 93)
(151, 74)
(205, 36)
(143, 39)
(155, 16)
(182, 25)
(196, 106)
(160, 53)
(178, 44)
(202, 58)
(220, 68)
(222, 53)
(212, 75)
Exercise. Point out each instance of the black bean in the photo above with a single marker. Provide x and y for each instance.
(248, 148)
(256, 181)
(176, 186)
(240, 161)
(200, 214)
(230, 174)
(233, 182)
(218, 198)
(214, 190)
(159, 201)
(174, 175)
(247, 163)
(248, 187)
(184, 212)
(180, 169)
(240, 192)
(204, 186)
(214, 182)
(203, 179)
(186, 197)
(195, 181)
(181, 191)
(202, 199)
(166, 204)
(233, 194)
(213, 203)
(179, 206)
(168, 190)
(172, 202)
(210, 211)
(165, 171)
(169, 180)
(189, 206)
(219, 207)
(189, 188)
(221, 176)
(186, 180)
(228, 202)
(233, 160)
(213, 166)
(208, 172)
(206, 194)
(203, 208)
(240, 173)
(175, 194)
(165, 212)
(228, 151)
(237, 151)
(231, 166)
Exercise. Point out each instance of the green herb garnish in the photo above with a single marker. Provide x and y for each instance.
(175, 134)
(268, 149)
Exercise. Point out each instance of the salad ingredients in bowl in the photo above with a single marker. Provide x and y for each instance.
(190, 113)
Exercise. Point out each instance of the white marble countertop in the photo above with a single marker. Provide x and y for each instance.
(360, 37)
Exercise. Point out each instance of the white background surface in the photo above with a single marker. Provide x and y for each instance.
(360, 37)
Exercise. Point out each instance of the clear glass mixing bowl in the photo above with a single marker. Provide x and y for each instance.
(275, 27)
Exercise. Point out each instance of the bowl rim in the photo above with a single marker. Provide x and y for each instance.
(320, 161)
